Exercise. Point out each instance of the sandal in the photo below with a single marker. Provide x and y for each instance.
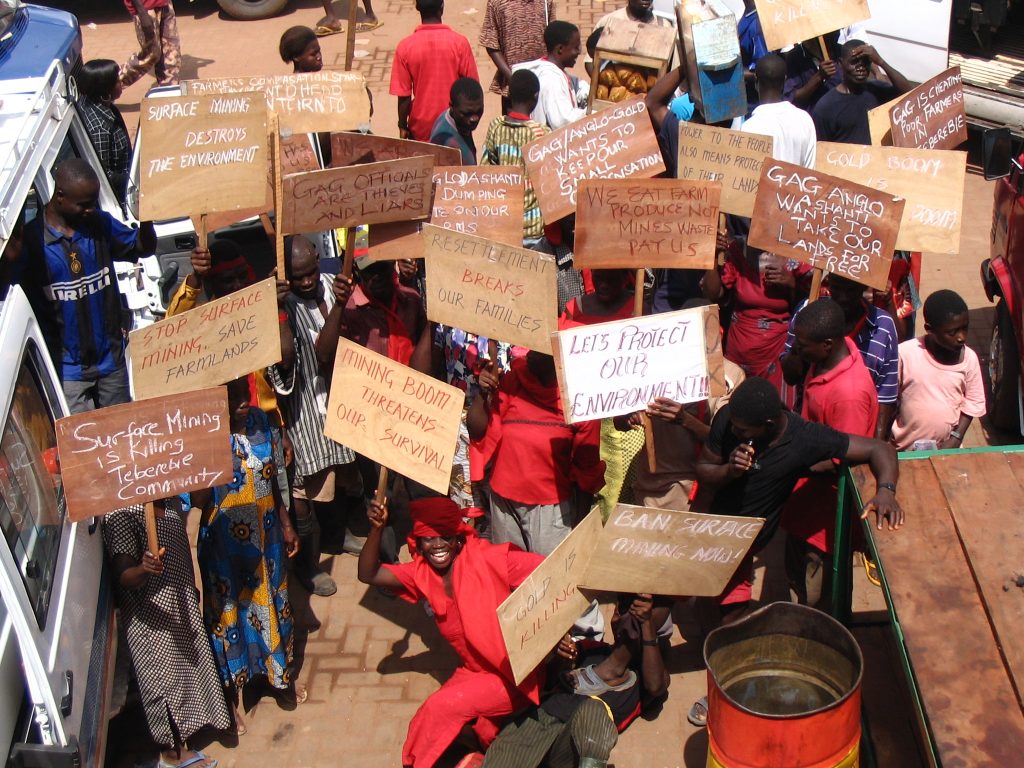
(197, 758)
(871, 570)
(369, 26)
(586, 682)
(326, 30)
(698, 714)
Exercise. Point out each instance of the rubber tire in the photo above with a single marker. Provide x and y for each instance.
(1003, 410)
(249, 10)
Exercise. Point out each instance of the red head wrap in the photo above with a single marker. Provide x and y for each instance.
(438, 516)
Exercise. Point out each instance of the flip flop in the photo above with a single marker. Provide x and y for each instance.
(194, 760)
(698, 714)
(871, 570)
(325, 30)
(369, 26)
(586, 682)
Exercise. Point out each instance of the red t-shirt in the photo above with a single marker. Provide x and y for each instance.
(426, 64)
(149, 5)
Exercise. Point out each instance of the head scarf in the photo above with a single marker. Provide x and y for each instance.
(438, 516)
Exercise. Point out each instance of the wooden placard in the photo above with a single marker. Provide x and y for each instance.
(825, 221)
(202, 154)
(393, 190)
(360, 148)
(628, 223)
(143, 451)
(546, 605)
(394, 240)
(328, 100)
(879, 125)
(932, 116)
(211, 344)
(664, 552)
(637, 40)
(931, 181)
(490, 289)
(788, 22)
(707, 153)
(398, 417)
(616, 368)
(615, 143)
(486, 201)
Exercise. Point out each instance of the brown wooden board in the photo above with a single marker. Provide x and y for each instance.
(398, 417)
(631, 223)
(393, 190)
(329, 100)
(202, 154)
(932, 116)
(664, 552)
(395, 240)
(616, 143)
(788, 22)
(358, 148)
(543, 608)
(486, 201)
(634, 38)
(977, 487)
(731, 157)
(211, 344)
(971, 707)
(879, 125)
(930, 180)
(490, 289)
(142, 451)
(825, 221)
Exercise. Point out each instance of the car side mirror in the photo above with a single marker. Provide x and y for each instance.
(997, 153)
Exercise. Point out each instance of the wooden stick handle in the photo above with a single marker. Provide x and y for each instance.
(382, 486)
(824, 48)
(638, 311)
(638, 292)
(201, 235)
(275, 124)
(816, 284)
(652, 458)
(152, 542)
(350, 248)
(350, 36)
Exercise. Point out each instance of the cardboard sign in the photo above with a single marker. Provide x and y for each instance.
(211, 344)
(879, 125)
(143, 451)
(664, 552)
(616, 368)
(788, 22)
(359, 148)
(652, 223)
(734, 158)
(395, 190)
(932, 116)
(544, 607)
(615, 143)
(328, 100)
(202, 154)
(394, 240)
(403, 419)
(931, 181)
(825, 221)
(486, 201)
(493, 290)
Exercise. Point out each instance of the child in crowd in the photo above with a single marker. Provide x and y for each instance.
(941, 388)
(300, 48)
(560, 93)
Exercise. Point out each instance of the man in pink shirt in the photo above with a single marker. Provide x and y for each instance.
(427, 62)
(941, 389)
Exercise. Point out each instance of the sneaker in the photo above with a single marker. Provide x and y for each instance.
(353, 544)
(323, 585)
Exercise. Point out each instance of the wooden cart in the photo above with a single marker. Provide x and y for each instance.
(630, 42)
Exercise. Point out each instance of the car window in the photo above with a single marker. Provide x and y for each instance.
(32, 505)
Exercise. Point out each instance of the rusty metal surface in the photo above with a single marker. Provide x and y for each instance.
(974, 715)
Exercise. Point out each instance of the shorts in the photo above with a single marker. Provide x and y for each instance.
(316, 487)
(741, 586)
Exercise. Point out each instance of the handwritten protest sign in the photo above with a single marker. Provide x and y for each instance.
(394, 240)
(328, 100)
(543, 608)
(359, 148)
(615, 143)
(398, 417)
(611, 369)
(651, 223)
(825, 221)
(394, 190)
(707, 153)
(143, 451)
(932, 116)
(202, 154)
(788, 22)
(931, 181)
(486, 201)
(665, 552)
(211, 344)
(490, 289)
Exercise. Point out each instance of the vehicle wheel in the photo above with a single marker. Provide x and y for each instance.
(252, 9)
(1003, 373)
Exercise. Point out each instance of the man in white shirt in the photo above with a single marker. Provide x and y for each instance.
(560, 94)
(790, 127)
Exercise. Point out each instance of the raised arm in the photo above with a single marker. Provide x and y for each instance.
(369, 570)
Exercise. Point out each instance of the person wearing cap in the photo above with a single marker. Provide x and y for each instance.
(464, 579)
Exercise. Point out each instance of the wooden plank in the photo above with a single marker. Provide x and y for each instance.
(626, 223)
(932, 116)
(977, 487)
(931, 181)
(879, 125)
(143, 451)
(973, 712)
(359, 148)
(788, 22)
(734, 158)
(486, 201)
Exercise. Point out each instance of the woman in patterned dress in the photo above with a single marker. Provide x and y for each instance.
(245, 539)
(168, 646)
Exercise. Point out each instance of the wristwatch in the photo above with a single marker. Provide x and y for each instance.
(887, 486)
(956, 435)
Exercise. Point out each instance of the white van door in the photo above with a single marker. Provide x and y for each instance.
(912, 35)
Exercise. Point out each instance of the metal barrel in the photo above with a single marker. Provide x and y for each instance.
(783, 691)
